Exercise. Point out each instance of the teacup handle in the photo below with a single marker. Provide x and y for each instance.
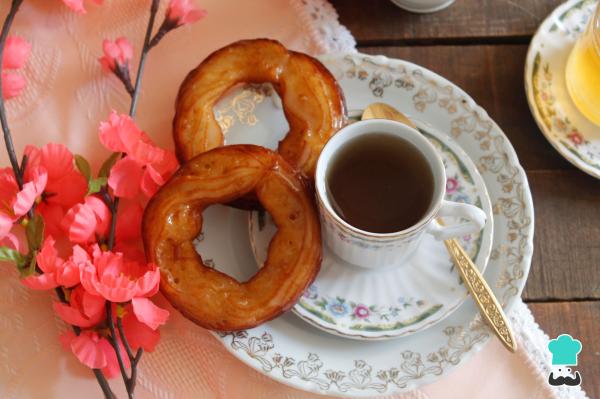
(475, 216)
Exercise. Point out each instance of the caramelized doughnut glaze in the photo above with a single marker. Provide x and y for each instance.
(173, 219)
(312, 100)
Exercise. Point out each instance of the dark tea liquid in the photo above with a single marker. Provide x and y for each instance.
(380, 183)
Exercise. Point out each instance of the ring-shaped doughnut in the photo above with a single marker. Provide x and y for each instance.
(173, 219)
(312, 101)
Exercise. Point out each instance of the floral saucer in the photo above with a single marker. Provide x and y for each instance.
(569, 131)
(377, 304)
(289, 350)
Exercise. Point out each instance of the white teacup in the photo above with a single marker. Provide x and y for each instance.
(423, 6)
(381, 250)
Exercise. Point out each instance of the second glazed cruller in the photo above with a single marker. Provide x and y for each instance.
(312, 100)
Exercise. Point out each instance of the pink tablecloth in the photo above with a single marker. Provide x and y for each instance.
(66, 98)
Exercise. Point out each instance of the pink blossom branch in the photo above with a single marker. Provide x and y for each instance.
(20, 170)
(12, 155)
(113, 206)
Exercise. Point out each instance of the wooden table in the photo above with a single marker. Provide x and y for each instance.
(481, 45)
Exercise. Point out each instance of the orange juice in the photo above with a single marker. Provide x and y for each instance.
(583, 71)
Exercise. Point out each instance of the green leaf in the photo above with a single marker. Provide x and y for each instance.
(84, 167)
(95, 185)
(11, 255)
(108, 164)
(30, 270)
(35, 232)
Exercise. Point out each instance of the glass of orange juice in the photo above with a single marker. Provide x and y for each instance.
(583, 70)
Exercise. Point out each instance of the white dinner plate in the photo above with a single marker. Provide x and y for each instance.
(289, 350)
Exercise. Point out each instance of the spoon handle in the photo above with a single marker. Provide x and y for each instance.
(482, 294)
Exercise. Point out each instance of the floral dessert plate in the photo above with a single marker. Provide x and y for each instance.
(376, 304)
(569, 131)
(289, 350)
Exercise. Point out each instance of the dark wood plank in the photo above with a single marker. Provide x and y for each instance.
(566, 259)
(493, 76)
(378, 22)
(580, 319)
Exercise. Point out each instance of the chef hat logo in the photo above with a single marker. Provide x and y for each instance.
(564, 350)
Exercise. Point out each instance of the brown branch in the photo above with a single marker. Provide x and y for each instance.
(115, 344)
(145, 50)
(10, 148)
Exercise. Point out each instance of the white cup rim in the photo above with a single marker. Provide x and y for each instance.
(385, 126)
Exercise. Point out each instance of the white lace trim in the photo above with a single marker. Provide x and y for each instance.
(323, 26)
(534, 343)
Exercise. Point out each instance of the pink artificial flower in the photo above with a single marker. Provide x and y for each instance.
(53, 216)
(55, 270)
(121, 134)
(83, 222)
(67, 274)
(129, 221)
(7, 238)
(66, 186)
(16, 52)
(30, 192)
(117, 280)
(138, 334)
(129, 231)
(80, 224)
(48, 261)
(83, 310)
(12, 85)
(117, 53)
(77, 5)
(15, 203)
(102, 214)
(146, 166)
(148, 313)
(11, 241)
(126, 177)
(156, 174)
(6, 223)
(181, 12)
(132, 250)
(95, 351)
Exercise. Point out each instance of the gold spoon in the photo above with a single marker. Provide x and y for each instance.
(488, 305)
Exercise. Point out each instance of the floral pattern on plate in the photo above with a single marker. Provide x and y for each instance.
(368, 317)
(576, 138)
(361, 377)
